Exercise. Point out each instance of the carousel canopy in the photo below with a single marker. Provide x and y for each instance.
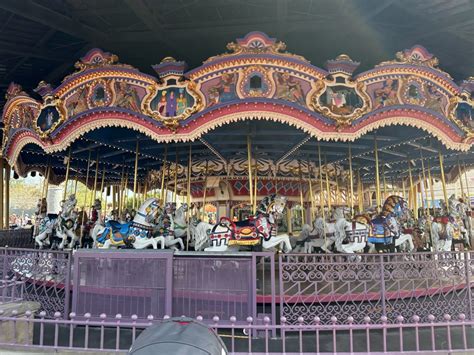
(257, 95)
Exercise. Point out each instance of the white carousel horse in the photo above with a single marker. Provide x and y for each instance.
(261, 230)
(443, 229)
(67, 223)
(179, 219)
(99, 223)
(166, 227)
(45, 228)
(350, 237)
(137, 233)
(464, 214)
(321, 236)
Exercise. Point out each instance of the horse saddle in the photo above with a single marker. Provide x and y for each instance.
(117, 227)
(245, 229)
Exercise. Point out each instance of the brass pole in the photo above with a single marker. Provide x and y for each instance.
(120, 191)
(466, 181)
(249, 162)
(430, 183)
(102, 183)
(67, 174)
(310, 185)
(404, 189)
(77, 178)
(328, 191)
(377, 177)
(205, 190)
(413, 192)
(301, 196)
(361, 192)
(162, 191)
(96, 175)
(255, 186)
(135, 177)
(175, 188)
(460, 177)
(422, 189)
(321, 193)
(351, 179)
(188, 197)
(113, 192)
(87, 183)
(443, 180)
(424, 181)
(384, 182)
(7, 195)
(338, 190)
(125, 192)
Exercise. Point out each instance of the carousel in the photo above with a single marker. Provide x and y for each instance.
(255, 149)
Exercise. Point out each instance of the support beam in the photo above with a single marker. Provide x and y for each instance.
(48, 17)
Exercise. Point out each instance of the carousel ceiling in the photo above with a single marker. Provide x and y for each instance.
(256, 92)
(42, 39)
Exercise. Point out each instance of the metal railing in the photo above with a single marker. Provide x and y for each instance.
(454, 333)
(375, 285)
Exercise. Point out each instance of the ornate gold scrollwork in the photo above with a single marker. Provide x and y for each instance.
(170, 104)
(461, 112)
(342, 101)
(51, 114)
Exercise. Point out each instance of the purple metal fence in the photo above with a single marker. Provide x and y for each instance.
(123, 281)
(224, 284)
(17, 238)
(45, 276)
(376, 336)
(375, 285)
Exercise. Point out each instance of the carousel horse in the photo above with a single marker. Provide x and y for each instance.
(387, 226)
(320, 236)
(257, 230)
(446, 227)
(40, 214)
(165, 227)
(179, 220)
(465, 215)
(96, 222)
(349, 236)
(136, 234)
(45, 229)
(198, 229)
(67, 223)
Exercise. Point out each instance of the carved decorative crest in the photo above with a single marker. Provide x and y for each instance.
(173, 100)
(337, 96)
(96, 58)
(256, 43)
(50, 115)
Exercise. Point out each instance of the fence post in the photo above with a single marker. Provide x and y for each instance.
(382, 285)
(273, 291)
(467, 266)
(169, 284)
(67, 286)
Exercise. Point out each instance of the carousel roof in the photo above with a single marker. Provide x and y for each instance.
(257, 92)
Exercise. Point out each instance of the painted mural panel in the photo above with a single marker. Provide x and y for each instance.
(172, 101)
(221, 90)
(290, 88)
(340, 99)
(465, 114)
